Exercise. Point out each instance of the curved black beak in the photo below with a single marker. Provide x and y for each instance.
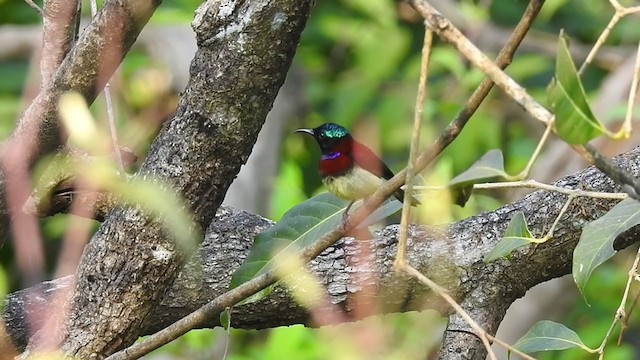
(305, 131)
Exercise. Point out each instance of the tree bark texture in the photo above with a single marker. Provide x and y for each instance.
(452, 255)
(245, 49)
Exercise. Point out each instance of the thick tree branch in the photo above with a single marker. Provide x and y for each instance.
(451, 255)
(59, 28)
(245, 49)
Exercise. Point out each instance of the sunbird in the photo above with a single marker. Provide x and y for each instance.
(349, 169)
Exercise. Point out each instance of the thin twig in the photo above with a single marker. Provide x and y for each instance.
(400, 263)
(445, 29)
(620, 313)
(227, 340)
(111, 117)
(413, 151)
(557, 220)
(620, 12)
(35, 7)
(601, 39)
(534, 184)
(626, 126)
(112, 127)
(625, 322)
(527, 170)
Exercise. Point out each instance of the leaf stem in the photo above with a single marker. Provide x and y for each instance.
(533, 184)
(527, 170)
(620, 313)
(625, 130)
(562, 211)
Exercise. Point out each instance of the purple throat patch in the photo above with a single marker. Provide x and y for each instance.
(333, 155)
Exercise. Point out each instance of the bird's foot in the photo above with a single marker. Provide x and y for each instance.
(345, 216)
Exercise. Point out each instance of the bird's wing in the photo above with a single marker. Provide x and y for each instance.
(368, 160)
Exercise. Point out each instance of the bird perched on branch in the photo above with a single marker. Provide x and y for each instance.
(349, 169)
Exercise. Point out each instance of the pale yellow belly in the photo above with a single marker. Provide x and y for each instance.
(354, 185)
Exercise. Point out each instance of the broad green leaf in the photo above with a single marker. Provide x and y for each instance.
(299, 227)
(516, 235)
(574, 121)
(489, 167)
(547, 335)
(596, 241)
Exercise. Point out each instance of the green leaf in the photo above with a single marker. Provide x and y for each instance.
(516, 235)
(299, 227)
(489, 167)
(574, 121)
(547, 335)
(225, 318)
(596, 241)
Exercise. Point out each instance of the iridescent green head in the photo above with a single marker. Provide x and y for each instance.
(330, 131)
(328, 136)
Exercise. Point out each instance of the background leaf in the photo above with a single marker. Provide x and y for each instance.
(547, 335)
(489, 167)
(574, 122)
(516, 235)
(596, 241)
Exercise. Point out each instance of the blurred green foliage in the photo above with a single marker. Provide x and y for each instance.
(360, 63)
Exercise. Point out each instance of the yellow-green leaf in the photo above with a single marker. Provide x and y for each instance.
(547, 335)
(489, 167)
(517, 235)
(574, 121)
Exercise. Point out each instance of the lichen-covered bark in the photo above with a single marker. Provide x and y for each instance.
(451, 255)
(245, 49)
